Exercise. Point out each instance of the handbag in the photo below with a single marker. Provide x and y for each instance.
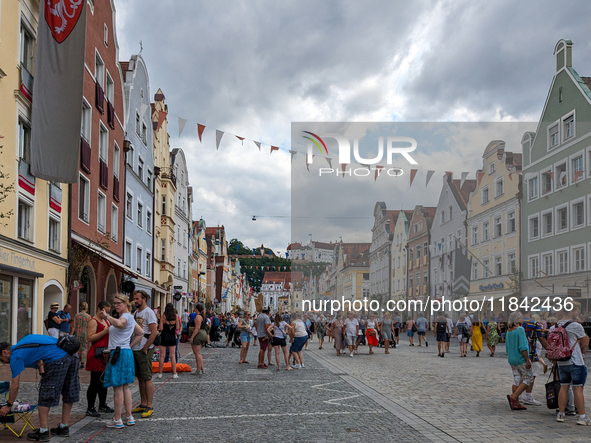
(552, 389)
(482, 330)
(98, 352)
(414, 328)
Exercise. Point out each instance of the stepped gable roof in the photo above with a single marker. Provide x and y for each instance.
(463, 194)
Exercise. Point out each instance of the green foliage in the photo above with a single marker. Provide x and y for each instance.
(4, 191)
(236, 247)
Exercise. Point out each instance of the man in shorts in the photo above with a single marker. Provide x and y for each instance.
(441, 335)
(351, 330)
(263, 321)
(143, 353)
(422, 329)
(61, 377)
(397, 324)
(450, 328)
(533, 332)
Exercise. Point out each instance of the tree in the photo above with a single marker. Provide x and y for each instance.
(236, 247)
(4, 191)
(515, 282)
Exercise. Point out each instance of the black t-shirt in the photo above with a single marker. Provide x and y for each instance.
(51, 323)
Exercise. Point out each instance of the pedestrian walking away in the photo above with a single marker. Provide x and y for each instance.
(79, 330)
(422, 324)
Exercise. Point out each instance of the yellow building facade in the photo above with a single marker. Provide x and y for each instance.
(34, 222)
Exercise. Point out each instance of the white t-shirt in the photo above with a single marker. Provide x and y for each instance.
(468, 322)
(575, 332)
(372, 324)
(185, 317)
(299, 329)
(450, 325)
(351, 327)
(279, 330)
(145, 318)
(122, 337)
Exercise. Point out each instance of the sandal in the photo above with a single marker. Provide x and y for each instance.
(289, 369)
(511, 405)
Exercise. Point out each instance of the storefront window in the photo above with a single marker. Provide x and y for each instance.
(5, 308)
(25, 308)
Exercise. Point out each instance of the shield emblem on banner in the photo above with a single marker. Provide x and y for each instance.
(62, 16)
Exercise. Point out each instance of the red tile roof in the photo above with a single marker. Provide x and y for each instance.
(321, 245)
(124, 69)
(393, 216)
(294, 246)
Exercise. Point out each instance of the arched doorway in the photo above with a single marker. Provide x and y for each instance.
(52, 293)
(111, 289)
(88, 291)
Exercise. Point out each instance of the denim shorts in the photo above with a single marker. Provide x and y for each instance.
(245, 337)
(573, 375)
(298, 343)
(409, 333)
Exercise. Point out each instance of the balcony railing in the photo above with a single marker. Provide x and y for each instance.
(168, 173)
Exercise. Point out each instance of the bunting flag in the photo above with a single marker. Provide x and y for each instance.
(182, 123)
(308, 164)
(144, 107)
(378, 169)
(161, 117)
(413, 172)
(480, 175)
(429, 175)
(293, 154)
(200, 129)
(510, 176)
(329, 161)
(218, 138)
(447, 174)
(465, 175)
(578, 174)
(343, 167)
(274, 148)
(366, 166)
(241, 139)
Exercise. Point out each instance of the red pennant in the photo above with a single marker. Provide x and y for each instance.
(480, 175)
(200, 129)
(161, 117)
(241, 139)
(413, 172)
(378, 169)
(511, 176)
(274, 148)
(343, 167)
(578, 174)
(290, 268)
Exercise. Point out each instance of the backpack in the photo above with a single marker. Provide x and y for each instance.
(441, 328)
(68, 343)
(216, 322)
(558, 347)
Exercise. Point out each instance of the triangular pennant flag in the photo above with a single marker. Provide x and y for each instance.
(241, 139)
(144, 108)
(511, 176)
(413, 173)
(273, 148)
(366, 166)
(161, 117)
(378, 169)
(258, 144)
(218, 138)
(463, 178)
(447, 173)
(578, 174)
(293, 153)
(480, 175)
(200, 129)
(429, 175)
(182, 123)
(308, 164)
(343, 167)
(329, 161)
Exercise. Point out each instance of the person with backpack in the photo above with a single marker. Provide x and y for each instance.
(441, 334)
(518, 357)
(463, 333)
(567, 344)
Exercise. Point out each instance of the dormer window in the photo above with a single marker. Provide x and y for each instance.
(491, 168)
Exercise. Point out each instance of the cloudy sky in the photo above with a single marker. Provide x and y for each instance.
(251, 68)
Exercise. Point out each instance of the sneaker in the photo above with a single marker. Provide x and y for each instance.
(426, 344)
(560, 417)
(351, 355)
(38, 436)
(140, 408)
(175, 376)
(159, 375)
(92, 413)
(296, 366)
(148, 412)
(571, 412)
(130, 420)
(529, 400)
(303, 366)
(584, 421)
(108, 410)
(203, 371)
(61, 432)
(118, 424)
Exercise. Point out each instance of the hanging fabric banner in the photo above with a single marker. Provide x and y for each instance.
(218, 138)
(413, 172)
(463, 178)
(182, 123)
(200, 129)
(273, 148)
(429, 175)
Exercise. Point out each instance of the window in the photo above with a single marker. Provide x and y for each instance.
(547, 224)
(27, 48)
(99, 70)
(140, 169)
(491, 168)
(485, 231)
(106, 36)
(138, 260)
(511, 263)
(560, 94)
(129, 206)
(128, 254)
(184, 269)
(144, 133)
(114, 223)
(140, 214)
(149, 180)
(577, 168)
(498, 265)
(411, 255)
(130, 156)
(103, 143)
(578, 214)
(86, 119)
(425, 277)
(475, 235)
(474, 270)
(534, 267)
(442, 217)
(418, 252)
(560, 175)
(24, 140)
(579, 259)
(83, 199)
(498, 227)
(511, 224)
(148, 222)
(110, 89)
(562, 262)
(547, 182)
(116, 157)
(25, 212)
(486, 266)
(485, 196)
(547, 263)
(499, 188)
(163, 205)
(553, 136)
(562, 219)
(533, 188)
(101, 213)
(178, 268)
(450, 210)
(568, 127)
(534, 225)
(162, 250)
(137, 124)
(148, 264)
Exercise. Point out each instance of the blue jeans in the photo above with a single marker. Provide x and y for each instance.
(573, 375)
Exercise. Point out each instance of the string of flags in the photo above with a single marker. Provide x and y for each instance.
(379, 170)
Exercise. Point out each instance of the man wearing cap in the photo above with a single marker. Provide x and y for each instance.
(59, 375)
(263, 321)
(54, 321)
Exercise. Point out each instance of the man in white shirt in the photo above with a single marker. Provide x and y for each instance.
(351, 330)
(185, 319)
(450, 328)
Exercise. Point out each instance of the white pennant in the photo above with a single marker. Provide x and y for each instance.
(463, 178)
(293, 153)
(182, 123)
(144, 108)
(258, 144)
(218, 138)
(429, 175)
(329, 160)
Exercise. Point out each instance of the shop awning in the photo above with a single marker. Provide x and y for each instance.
(145, 282)
(21, 271)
